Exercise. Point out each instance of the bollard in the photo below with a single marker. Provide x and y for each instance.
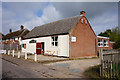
(25, 55)
(35, 59)
(5, 52)
(18, 54)
(13, 52)
(9, 52)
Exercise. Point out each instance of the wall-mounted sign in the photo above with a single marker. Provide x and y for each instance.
(73, 39)
(32, 41)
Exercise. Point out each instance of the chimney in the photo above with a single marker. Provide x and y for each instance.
(10, 30)
(82, 13)
(22, 27)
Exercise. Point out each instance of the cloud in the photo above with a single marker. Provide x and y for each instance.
(101, 15)
(15, 14)
(50, 14)
(104, 21)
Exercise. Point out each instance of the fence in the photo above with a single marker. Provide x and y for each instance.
(110, 64)
(10, 47)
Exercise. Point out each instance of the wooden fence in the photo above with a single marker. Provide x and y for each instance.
(110, 64)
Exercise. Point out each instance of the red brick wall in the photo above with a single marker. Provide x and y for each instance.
(111, 45)
(85, 44)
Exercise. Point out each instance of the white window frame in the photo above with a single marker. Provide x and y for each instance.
(53, 41)
(81, 20)
(85, 21)
(101, 42)
(106, 43)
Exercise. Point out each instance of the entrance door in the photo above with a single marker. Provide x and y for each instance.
(38, 48)
(42, 43)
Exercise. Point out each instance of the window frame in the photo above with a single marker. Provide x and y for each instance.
(101, 42)
(53, 40)
(82, 21)
(85, 21)
(106, 43)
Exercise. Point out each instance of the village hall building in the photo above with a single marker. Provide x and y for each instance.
(70, 37)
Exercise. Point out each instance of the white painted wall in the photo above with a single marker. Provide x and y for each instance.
(61, 50)
(20, 41)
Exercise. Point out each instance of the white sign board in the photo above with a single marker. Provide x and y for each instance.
(73, 39)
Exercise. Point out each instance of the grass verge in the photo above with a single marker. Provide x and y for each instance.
(93, 72)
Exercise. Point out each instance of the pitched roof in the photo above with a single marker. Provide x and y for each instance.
(58, 27)
(19, 33)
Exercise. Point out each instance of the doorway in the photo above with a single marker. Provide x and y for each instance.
(40, 48)
(42, 43)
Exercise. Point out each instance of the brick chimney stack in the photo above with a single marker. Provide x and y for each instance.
(82, 13)
(10, 30)
(22, 27)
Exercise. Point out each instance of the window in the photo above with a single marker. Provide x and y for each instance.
(81, 20)
(85, 21)
(54, 41)
(105, 43)
(24, 46)
(100, 43)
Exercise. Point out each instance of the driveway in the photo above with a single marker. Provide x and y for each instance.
(75, 66)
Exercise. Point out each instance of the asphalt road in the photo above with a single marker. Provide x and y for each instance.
(20, 68)
(11, 70)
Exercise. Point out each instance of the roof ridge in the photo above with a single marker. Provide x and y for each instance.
(58, 20)
(56, 27)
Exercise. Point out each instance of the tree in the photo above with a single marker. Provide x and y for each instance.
(105, 33)
(114, 35)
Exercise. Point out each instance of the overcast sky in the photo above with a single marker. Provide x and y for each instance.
(101, 15)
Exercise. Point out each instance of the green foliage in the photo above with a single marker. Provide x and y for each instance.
(114, 35)
(93, 72)
(106, 33)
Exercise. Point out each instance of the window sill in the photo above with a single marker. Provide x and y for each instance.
(106, 46)
(100, 46)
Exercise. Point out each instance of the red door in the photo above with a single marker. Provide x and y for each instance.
(38, 48)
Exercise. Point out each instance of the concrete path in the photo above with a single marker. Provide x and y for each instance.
(47, 59)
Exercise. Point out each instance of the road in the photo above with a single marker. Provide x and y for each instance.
(11, 70)
(20, 68)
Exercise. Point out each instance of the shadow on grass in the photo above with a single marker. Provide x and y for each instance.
(93, 72)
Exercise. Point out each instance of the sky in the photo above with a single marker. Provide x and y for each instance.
(101, 15)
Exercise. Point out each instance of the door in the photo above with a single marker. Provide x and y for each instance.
(42, 44)
(38, 48)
